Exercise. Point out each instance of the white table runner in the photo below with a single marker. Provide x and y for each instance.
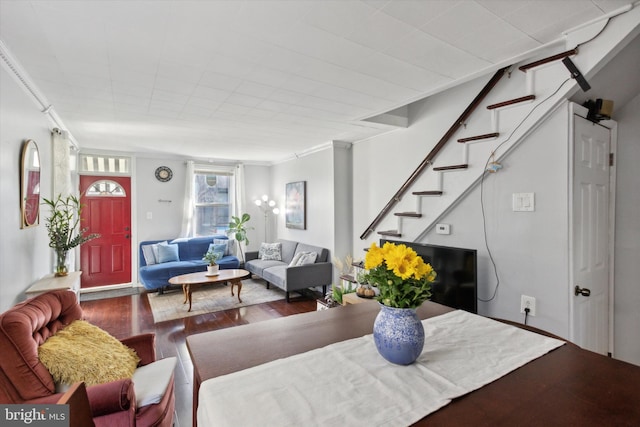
(349, 383)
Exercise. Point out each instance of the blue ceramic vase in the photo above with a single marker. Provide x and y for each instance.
(398, 334)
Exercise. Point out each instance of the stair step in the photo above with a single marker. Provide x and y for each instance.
(427, 193)
(511, 102)
(391, 233)
(526, 67)
(348, 278)
(479, 137)
(452, 167)
(409, 214)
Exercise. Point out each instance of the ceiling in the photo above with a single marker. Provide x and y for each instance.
(262, 80)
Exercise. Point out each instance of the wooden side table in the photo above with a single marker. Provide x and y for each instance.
(353, 298)
(51, 283)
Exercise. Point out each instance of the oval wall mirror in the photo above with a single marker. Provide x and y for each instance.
(30, 184)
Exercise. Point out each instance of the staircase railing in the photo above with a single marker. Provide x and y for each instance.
(434, 152)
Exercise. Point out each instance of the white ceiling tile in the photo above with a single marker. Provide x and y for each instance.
(286, 96)
(175, 86)
(219, 81)
(255, 89)
(133, 108)
(157, 104)
(211, 93)
(136, 90)
(161, 95)
(454, 24)
(232, 108)
(328, 47)
(267, 76)
(391, 69)
(126, 98)
(208, 104)
(417, 12)
(245, 100)
(338, 17)
(271, 105)
(196, 116)
(187, 73)
(369, 33)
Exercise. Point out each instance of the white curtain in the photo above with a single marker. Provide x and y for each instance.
(238, 203)
(189, 203)
(61, 163)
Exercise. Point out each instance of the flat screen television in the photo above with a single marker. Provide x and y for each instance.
(456, 285)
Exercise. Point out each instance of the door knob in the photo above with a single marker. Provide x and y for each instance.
(581, 291)
(126, 236)
(126, 229)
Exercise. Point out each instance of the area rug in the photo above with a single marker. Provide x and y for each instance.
(209, 299)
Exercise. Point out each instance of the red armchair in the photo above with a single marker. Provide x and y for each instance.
(24, 379)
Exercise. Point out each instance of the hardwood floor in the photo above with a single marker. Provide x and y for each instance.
(130, 315)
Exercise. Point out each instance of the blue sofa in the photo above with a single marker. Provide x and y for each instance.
(156, 276)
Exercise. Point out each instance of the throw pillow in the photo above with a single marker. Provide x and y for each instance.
(83, 352)
(227, 249)
(271, 251)
(167, 253)
(149, 254)
(307, 258)
(296, 257)
(219, 248)
(156, 249)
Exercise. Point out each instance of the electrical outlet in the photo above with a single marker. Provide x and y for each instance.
(528, 302)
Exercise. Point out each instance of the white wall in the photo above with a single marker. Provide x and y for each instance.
(317, 170)
(25, 253)
(343, 200)
(627, 249)
(530, 249)
(166, 217)
(257, 180)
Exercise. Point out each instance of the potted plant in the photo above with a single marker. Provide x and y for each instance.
(238, 228)
(211, 257)
(63, 228)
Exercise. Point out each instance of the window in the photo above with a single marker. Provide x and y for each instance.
(105, 188)
(95, 164)
(213, 196)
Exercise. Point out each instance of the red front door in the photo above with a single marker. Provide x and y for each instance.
(106, 211)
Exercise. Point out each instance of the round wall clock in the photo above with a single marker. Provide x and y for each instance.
(163, 174)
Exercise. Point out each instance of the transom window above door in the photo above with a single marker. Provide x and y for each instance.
(106, 188)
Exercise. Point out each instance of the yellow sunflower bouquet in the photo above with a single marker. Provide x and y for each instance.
(402, 276)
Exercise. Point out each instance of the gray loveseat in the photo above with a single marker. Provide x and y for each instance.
(292, 278)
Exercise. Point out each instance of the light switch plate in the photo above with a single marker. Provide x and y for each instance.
(443, 229)
(523, 202)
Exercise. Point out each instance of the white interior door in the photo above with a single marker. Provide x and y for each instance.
(590, 235)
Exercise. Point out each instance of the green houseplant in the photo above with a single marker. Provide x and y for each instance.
(63, 227)
(238, 229)
(211, 257)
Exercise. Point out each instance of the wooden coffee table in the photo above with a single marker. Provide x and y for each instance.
(193, 281)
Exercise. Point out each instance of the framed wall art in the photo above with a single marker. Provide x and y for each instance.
(295, 205)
